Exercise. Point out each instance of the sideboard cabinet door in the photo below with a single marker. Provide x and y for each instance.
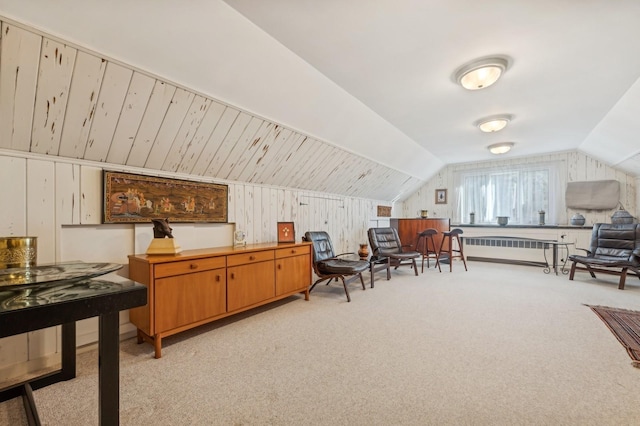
(188, 298)
(250, 284)
(292, 269)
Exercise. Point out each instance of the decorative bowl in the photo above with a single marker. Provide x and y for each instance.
(502, 220)
(577, 220)
(621, 217)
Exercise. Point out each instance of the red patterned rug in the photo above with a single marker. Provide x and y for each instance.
(625, 325)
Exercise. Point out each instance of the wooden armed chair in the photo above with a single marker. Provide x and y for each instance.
(387, 248)
(327, 265)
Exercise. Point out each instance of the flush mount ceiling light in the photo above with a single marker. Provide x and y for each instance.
(480, 74)
(493, 123)
(500, 148)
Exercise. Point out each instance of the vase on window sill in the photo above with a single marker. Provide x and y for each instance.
(577, 220)
(541, 214)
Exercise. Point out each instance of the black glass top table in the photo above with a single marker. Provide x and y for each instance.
(35, 303)
(54, 273)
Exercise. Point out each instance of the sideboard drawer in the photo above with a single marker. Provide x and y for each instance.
(252, 257)
(189, 266)
(292, 251)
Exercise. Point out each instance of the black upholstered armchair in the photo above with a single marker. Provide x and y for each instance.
(614, 249)
(387, 248)
(327, 265)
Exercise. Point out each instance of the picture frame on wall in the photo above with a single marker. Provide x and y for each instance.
(286, 232)
(133, 198)
(384, 211)
(441, 196)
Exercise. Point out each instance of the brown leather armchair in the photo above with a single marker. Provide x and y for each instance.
(327, 265)
(614, 249)
(387, 248)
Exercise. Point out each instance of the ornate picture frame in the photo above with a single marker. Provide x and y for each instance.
(133, 198)
(286, 232)
(384, 211)
(441, 196)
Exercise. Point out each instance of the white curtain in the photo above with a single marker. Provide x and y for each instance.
(519, 192)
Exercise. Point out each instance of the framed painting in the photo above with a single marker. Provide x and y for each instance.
(441, 196)
(286, 232)
(384, 211)
(132, 198)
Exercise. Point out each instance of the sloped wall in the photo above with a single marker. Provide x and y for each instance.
(61, 100)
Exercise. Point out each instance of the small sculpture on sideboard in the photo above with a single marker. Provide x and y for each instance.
(161, 228)
(239, 238)
(163, 241)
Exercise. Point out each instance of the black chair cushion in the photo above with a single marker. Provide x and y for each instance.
(404, 255)
(322, 246)
(342, 266)
(615, 241)
(603, 261)
(385, 242)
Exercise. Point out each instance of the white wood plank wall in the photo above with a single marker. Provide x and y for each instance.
(70, 102)
(18, 76)
(60, 202)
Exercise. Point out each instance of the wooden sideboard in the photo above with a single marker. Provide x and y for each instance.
(408, 229)
(195, 287)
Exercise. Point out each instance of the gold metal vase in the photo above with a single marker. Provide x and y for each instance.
(18, 252)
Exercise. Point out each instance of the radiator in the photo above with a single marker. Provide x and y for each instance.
(515, 250)
(503, 242)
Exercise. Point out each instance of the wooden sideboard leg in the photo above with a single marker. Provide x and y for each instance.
(139, 339)
(306, 294)
(157, 344)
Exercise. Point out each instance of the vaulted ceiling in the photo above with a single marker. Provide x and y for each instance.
(349, 97)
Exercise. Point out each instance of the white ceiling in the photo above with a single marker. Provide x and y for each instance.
(375, 76)
(572, 63)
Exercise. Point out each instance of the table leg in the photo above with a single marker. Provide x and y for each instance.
(563, 269)
(30, 406)
(555, 258)
(68, 370)
(109, 369)
(547, 268)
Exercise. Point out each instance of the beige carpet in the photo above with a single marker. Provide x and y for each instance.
(497, 345)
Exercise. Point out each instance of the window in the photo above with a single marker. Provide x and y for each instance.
(518, 192)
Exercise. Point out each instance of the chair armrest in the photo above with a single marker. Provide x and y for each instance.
(585, 250)
(344, 254)
(408, 247)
